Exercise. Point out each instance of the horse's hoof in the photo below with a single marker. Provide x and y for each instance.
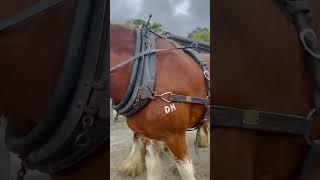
(131, 168)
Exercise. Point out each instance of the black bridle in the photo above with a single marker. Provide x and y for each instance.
(299, 14)
(76, 122)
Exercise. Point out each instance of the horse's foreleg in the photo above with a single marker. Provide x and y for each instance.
(153, 161)
(133, 165)
(204, 133)
(178, 147)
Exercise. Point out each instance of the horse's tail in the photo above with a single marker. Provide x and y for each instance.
(202, 137)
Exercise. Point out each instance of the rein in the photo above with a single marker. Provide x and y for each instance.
(194, 45)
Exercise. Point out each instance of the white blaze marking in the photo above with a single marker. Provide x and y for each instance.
(170, 108)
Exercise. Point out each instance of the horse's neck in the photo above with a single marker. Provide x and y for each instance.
(258, 61)
(29, 69)
(92, 167)
(28, 84)
(122, 42)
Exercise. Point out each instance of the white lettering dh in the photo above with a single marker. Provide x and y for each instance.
(170, 108)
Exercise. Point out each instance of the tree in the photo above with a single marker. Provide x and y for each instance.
(139, 22)
(200, 34)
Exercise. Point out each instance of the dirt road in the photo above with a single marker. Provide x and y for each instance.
(120, 147)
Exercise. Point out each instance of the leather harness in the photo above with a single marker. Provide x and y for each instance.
(76, 122)
(299, 14)
(141, 88)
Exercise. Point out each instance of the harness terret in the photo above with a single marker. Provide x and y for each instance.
(141, 88)
(76, 122)
(300, 15)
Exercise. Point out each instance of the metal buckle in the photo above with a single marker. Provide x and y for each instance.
(163, 95)
(194, 45)
(309, 141)
(207, 101)
(206, 74)
(311, 113)
(302, 36)
(250, 118)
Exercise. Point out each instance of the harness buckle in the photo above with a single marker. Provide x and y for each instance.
(165, 96)
(309, 40)
(311, 142)
(207, 102)
(194, 45)
(206, 74)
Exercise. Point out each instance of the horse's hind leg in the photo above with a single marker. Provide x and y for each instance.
(204, 133)
(153, 161)
(133, 165)
(178, 147)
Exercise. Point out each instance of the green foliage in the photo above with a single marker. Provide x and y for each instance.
(200, 35)
(138, 22)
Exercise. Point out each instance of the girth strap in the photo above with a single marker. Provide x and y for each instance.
(171, 97)
(258, 120)
(188, 99)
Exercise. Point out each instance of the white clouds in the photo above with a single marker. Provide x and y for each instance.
(122, 9)
(177, 16)
(182, 8)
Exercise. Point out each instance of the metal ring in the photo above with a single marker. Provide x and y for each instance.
(308, 140)
(164, 94)
(302, 36)
(87, 120)
(311, 113)
(194, 45)
(82, 139)
(206, 74)
(207, 101)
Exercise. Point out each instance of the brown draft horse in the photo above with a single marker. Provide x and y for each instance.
(259, 64)
(175, 72)
(31, 60)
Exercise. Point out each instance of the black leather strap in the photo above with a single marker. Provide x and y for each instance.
(60, 101)
(83, 127)
(25, 15)
(310, 161)
(299, 13)
(182, 40)
(188, 99)
(258, 120)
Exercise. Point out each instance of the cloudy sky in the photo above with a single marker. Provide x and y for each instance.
(177, 16)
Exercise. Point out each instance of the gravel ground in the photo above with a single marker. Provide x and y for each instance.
(120, 147)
